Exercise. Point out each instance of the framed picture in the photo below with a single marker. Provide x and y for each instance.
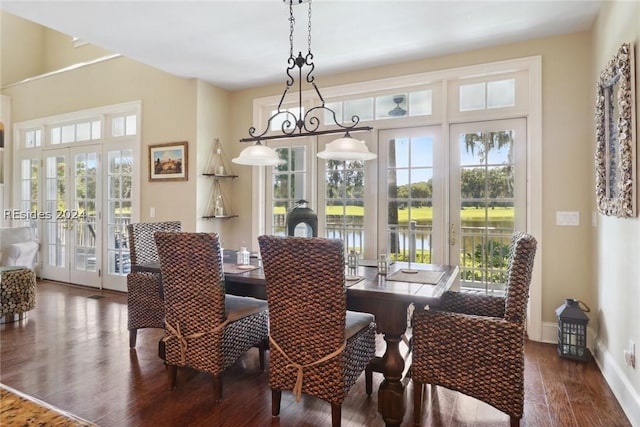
(616, 136)
(168, 162)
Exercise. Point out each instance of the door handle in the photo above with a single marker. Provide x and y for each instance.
(68, 224)
(452, 234)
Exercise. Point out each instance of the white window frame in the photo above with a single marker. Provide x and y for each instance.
(529, 107)
(104, 114)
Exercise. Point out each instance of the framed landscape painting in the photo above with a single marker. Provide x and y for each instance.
(168, 162)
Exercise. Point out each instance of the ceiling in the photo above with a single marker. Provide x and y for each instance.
(241, 43)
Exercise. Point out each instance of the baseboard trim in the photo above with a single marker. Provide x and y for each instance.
(627, 397)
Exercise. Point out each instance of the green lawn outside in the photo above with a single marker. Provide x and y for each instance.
(422, 215)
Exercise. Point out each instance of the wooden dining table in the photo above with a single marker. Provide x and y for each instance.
(385, 298)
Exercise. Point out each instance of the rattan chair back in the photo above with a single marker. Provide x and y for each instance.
(142, 245)
(192, 278)
(307, 310)
(521, 259)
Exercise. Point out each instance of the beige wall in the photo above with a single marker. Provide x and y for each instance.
(59, 51)
(22, 47)
(173, 109)
(616, 244)
(566, 149)
(212, 123)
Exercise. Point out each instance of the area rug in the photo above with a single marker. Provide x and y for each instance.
(19, 409)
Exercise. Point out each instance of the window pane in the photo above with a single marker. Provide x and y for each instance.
(409, 195)
(38, 138)
(297, 186)
(117, 126)
(399, 153)
(29, 139)
(288, 185)
(337, 108)
(391, 106)
(130, 125)
(471, 148)
(472, 97)
(290, 114)
(363, 108)
(68, 133)
(95, 130)
(298, 158)
(422, 151)
(501, 93)
(56, 135)
(83, 131)
(278, 220)
(421, 103)
(344, 213)
(500, 147)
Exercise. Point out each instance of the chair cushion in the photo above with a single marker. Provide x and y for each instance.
(239, 307)
(356, 321)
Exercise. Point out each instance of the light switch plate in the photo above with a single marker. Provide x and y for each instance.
(566, 218)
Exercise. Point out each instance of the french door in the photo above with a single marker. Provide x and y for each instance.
(72, 199)
(412, 212)
(487, 198)
(89, 202)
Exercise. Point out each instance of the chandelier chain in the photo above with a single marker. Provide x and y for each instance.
(309, 26)
(307, 122)
(292, 23)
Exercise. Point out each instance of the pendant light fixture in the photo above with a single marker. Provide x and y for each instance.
(303, 123)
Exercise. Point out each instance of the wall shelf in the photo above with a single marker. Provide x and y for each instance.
(215, 175)
(219, 217)
(219, 170)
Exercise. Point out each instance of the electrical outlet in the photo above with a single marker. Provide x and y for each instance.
(630, 355)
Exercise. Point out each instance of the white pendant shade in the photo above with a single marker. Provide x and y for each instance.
(258, 155)
(346, 148)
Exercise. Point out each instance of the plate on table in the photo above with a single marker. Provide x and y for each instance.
(409, 271)
(351, 278)
(246, 267)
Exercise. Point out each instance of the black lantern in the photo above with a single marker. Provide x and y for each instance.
(302, 221)
(572, 330)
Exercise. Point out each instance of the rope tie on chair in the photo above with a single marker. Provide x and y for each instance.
(182, 339)
(297, 389)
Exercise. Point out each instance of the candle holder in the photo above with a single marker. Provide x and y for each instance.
(383, 265)
(352, 261)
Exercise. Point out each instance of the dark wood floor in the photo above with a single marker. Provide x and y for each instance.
(73, 353)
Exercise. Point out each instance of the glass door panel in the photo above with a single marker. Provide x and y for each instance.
(84, 217)
(348, 211)
(412, 213)
(289, 182)
(488, 185)
(71, 196)
(119, 212)
(55, 243)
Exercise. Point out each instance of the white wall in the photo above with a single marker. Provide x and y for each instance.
(616, 243)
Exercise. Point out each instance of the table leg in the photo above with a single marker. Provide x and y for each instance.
(391, 402)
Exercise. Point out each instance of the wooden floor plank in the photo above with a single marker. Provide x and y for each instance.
(73, 353)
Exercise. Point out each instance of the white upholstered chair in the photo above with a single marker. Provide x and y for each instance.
(18, 247)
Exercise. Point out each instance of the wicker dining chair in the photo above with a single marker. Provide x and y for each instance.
(205, 329)
(144, 304)
(317, 347)
(474, 343)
